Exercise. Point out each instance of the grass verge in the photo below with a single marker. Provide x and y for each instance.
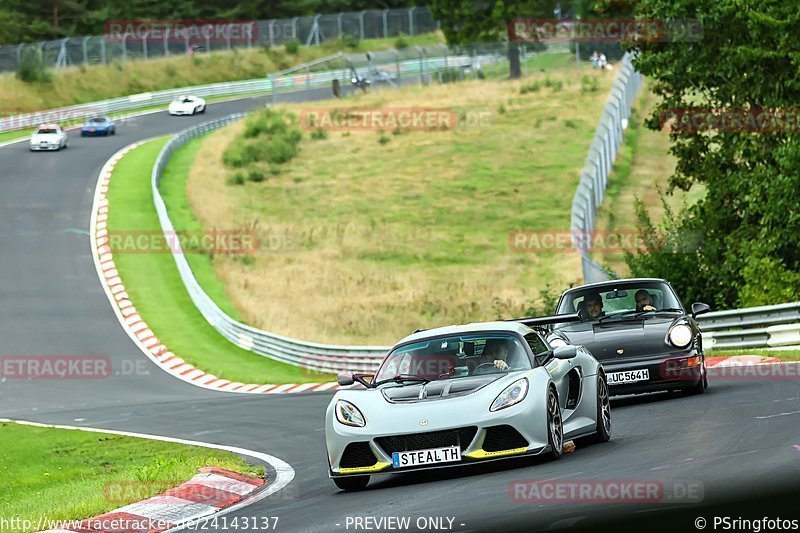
(64, 474)
(642, 170)
(378, 233)
(153, 282)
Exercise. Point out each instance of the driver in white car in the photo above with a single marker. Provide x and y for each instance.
(495, 352)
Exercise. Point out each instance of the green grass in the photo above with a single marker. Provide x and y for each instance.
(783, 355)
(64, 474)
(153, 283)
(398, 230)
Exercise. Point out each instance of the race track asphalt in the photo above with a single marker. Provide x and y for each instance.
(740, 440)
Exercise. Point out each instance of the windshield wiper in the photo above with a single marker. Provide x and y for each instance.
(670, 310)
(400, 378)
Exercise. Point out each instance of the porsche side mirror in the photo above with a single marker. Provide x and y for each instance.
(565, 352)
(698, 308)
(345, 378)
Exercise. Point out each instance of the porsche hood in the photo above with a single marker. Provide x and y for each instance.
(622, 339)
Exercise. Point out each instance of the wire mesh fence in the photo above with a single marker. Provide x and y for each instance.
(133, 41)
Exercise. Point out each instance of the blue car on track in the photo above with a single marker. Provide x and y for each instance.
(99, 125)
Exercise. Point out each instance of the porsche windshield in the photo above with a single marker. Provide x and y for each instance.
(454, 357)
(633, 299)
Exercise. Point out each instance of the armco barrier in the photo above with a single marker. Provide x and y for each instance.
(602, 152)
(752, 327)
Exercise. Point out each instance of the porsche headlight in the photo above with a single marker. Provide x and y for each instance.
(349, 415)
(558, 341)
(512, 394)
(680, 335)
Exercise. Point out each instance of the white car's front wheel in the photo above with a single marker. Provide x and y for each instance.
(555, 425)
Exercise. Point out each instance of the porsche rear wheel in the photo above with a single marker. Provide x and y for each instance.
(352, 482)
(555, 425)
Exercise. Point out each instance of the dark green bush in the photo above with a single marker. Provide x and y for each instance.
(292, 46)
(32, 68)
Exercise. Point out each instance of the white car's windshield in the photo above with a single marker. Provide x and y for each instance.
(457, 356)
(46, 131)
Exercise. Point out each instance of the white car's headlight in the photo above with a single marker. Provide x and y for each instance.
(349, 415)
(555, 343)
(512, 394)
(680, 335)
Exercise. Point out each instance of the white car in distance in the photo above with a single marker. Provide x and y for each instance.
(50, 137)
(187, 105)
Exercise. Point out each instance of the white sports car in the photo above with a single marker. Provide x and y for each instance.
(49, 137)
(187, 105)
(464, 394)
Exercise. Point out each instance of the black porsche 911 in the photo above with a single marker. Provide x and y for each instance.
(640, 331)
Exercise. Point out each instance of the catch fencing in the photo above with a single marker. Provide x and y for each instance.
(104, 49)
(599, 161)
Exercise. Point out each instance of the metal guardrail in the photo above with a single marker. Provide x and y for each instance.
(752, 327)
(311, 356)
(104, 49)
(412, 61)
(599, 161)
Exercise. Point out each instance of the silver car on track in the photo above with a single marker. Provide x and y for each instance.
(464, 394)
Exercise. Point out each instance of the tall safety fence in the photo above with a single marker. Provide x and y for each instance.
(130, 42)
(599, 161)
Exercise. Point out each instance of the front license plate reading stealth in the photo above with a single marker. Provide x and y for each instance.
(426, 457)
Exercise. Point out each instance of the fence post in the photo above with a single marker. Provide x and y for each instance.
(19, 54)
(421, 64)
(272, 32)
(272, 88)
(411, 21)
(166, 45)
(386, 24)
(397, 66)
(124, 47)
(294, 27)
(144, 44)
(361, 24)
(84, 43)
(103, 55)
(339, 24)
(208, 43)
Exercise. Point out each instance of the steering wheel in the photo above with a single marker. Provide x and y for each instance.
(475, 370)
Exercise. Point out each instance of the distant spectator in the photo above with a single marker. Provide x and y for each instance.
(595, 59)
(602, 61)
